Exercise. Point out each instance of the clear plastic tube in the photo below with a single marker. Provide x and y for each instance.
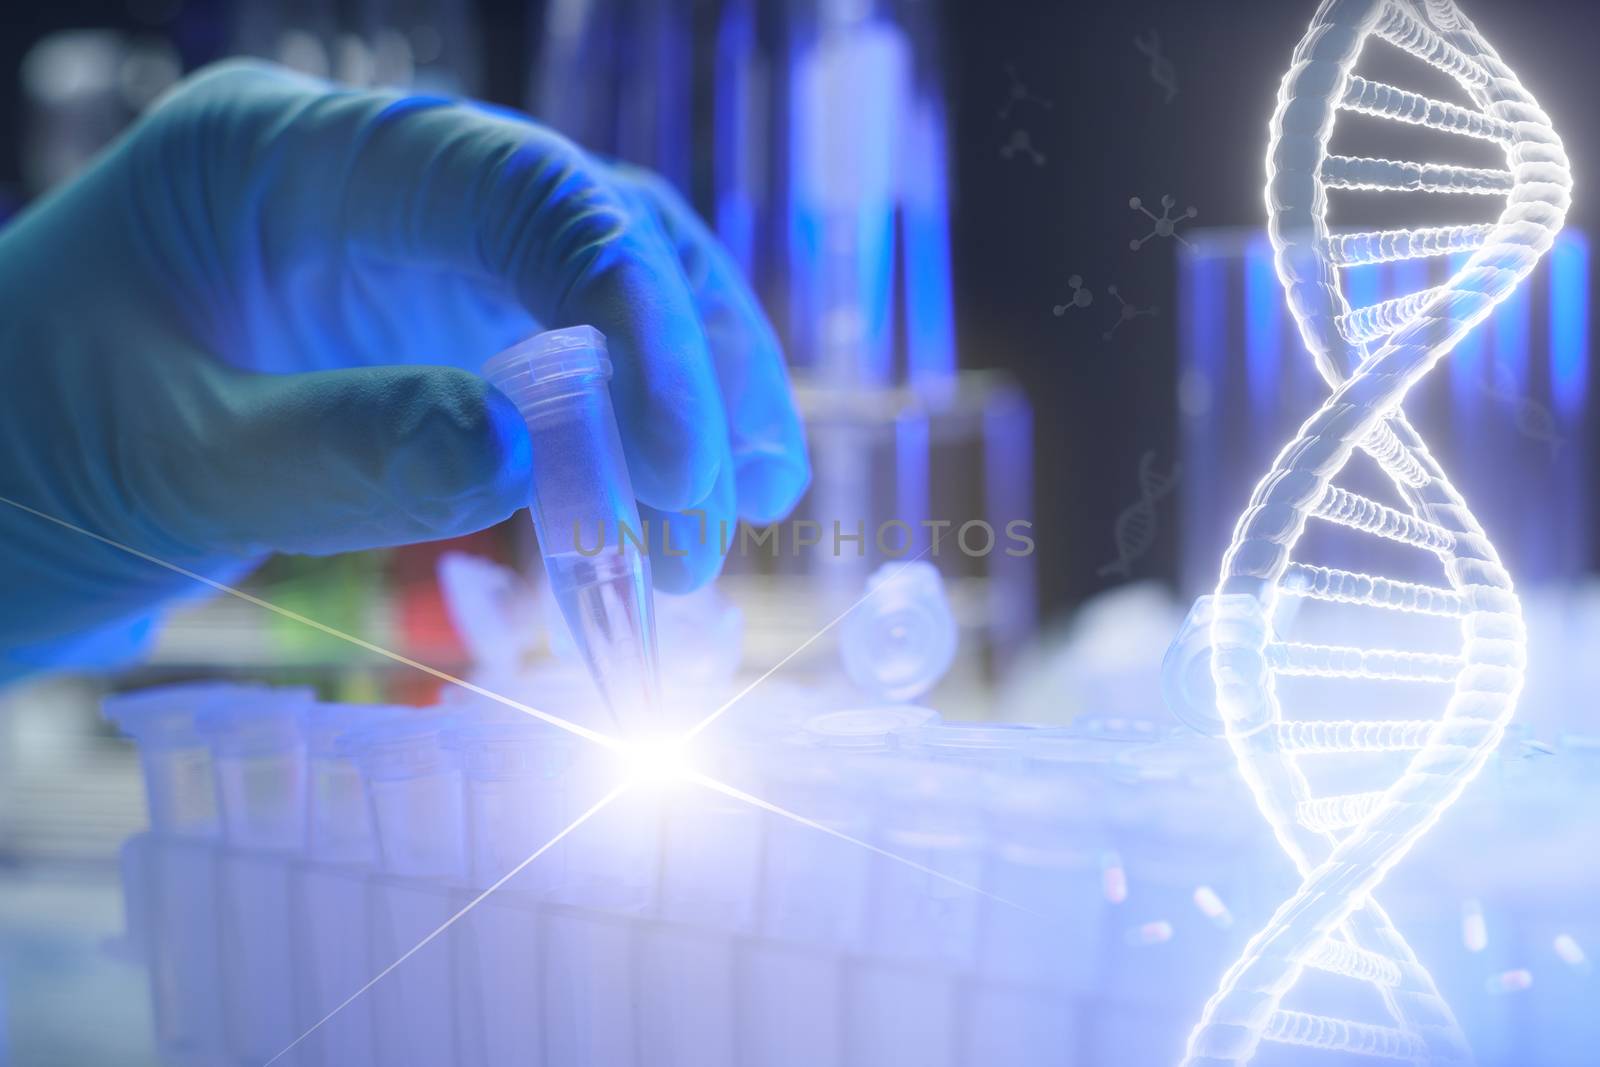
(614, 863)
(930, 814)
(260, 765)
(330, 911)
(338, 818)
(814, 885)
(179, 787)
(253, 913)
(414, 786)
(584, 512)
(711, 845)
(923, 930)
(517, 792)
(186, 963)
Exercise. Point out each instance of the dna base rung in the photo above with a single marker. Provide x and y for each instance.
(1384, 318)
(1380, 520)
(1342, 1035)
(1400, 29)
(1349, 961)
(1381, 100)
(1337, 813)
(1389, 246)
(1368, 590)
(1344, 661)
(1404, 176)
(1384, 447)
(1327, 738)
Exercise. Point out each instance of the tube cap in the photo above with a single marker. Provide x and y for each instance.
(866, 727)
(525, 369)
(165, 712)
(901, 638)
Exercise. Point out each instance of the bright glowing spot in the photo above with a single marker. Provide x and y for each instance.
(1511, 981)
(1570, 951)
(1151, 933)
(1474, 931)
(656, 760)
(1113, 879)
(1212, 907)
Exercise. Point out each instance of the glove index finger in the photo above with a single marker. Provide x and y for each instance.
(483, 192)
(669, 409)
(336, 461)
(766, 439)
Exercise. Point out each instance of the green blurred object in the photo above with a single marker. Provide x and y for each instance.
(345, 592)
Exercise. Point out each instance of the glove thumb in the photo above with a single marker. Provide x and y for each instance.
(336, 461)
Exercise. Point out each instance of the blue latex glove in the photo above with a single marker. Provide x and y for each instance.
(239, 333)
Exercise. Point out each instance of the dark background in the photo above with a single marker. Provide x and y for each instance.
(1020, 229)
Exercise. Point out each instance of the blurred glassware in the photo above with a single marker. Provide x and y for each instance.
(432, 46)
(80, 88)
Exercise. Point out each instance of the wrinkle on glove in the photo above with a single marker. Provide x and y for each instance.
(253, 326)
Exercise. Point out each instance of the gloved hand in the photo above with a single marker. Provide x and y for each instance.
(242, 331)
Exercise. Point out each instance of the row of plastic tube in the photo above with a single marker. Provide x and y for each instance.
(881, 888)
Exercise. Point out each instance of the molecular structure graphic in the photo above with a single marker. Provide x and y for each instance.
(1079, 297)
(1018, 94)
(1021, 144)
(1126, 312)
(1166, 224)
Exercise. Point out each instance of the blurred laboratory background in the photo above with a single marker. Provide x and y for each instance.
(1015, 253)
(988, 184)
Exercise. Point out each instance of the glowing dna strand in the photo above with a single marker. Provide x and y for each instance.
(1371, 356)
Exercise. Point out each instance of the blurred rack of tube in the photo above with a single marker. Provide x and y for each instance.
(677, 925)
(1054, 895)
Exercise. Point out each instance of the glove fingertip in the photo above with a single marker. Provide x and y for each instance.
(771, 485)
(511, 452)
(464, 457)
(674, 458)
(687, 550)
(337, 461)
(686, 568)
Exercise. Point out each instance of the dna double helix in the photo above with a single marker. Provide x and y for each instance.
(1135, 527)
(1344, 844)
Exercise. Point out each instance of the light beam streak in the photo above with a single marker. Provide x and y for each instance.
(473, 903)
(554, 720)
(594, 736)
(766, 805)
(807, 643)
